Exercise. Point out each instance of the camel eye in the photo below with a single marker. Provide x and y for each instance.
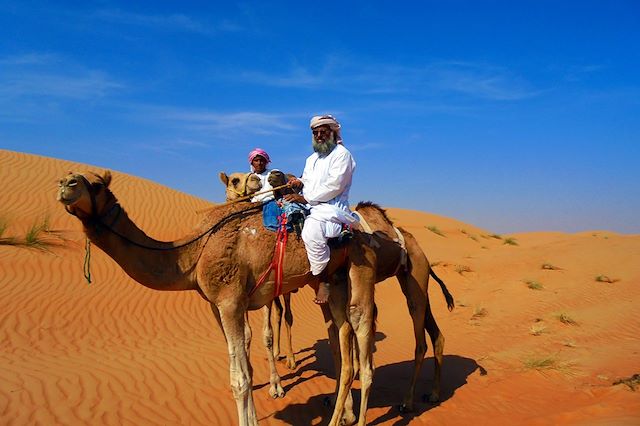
(235, 181)
(72, 182)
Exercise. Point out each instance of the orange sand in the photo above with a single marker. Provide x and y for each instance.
(114, 352)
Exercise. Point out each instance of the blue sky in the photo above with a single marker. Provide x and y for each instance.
(512, 116)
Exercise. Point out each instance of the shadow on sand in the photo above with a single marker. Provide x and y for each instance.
(389, 385)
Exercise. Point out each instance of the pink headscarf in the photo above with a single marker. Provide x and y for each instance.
(329, 120)
(261, 153)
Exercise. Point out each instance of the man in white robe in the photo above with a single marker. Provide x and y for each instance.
(325, 183)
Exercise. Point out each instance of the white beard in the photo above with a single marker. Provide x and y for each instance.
(324, 149)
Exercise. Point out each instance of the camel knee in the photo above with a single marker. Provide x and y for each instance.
(421, 350)
(366, 376)
(438, 345)
(240, 388)
(268, 341)
(288, 317)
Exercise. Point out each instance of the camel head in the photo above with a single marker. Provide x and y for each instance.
(87, 195)
(240, 184)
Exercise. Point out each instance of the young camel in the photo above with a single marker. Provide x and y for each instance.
(413, 275)
(242, 185)
(221, 260)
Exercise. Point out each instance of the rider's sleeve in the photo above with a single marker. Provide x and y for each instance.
(333, 183)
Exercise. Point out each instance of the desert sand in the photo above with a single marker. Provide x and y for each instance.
(536, 337)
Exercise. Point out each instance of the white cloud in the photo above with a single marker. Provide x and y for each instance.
(248, 122)
(465, 78)
(172, 22)
(47, 75)
(88, 85)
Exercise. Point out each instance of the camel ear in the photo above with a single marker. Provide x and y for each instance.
(106, 177)
(224, 178)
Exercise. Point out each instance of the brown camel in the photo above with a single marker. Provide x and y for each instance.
(410, 280)
(221, 260)
(242, 185)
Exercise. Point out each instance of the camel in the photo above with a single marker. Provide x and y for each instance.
(224, 255)
(242, 185)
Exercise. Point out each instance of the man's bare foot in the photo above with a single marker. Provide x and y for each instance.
(322, 296)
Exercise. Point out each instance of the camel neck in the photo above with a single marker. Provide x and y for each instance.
(160, 265)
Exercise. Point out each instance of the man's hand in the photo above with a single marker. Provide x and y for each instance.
(295, 198)
(296, 184)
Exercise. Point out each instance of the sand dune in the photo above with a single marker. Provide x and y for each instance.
(534, 339)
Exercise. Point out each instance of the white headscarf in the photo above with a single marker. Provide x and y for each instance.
(320, 120)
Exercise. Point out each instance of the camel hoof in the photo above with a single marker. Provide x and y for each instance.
(432, 397)
(404, 408)
(276, 391)
(348, 420)
(291, 363)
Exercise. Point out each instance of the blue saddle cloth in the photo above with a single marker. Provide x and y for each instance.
(271, 213)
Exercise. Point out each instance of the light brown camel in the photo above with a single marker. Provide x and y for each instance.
(221, 260)
(242, 185)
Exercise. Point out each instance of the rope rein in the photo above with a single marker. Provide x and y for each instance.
(87, 260)
(244, 198)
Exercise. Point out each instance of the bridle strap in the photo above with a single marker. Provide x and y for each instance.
(244, 186)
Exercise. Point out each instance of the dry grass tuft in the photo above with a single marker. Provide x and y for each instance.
(462, 268)
(538, 329)
(605, 279)
(533, 285)
(566, 319)
(549, 267)
(479, 312)
(511, 241)
(435, 230)
(472, 236)
(541, 363)
(39, 236)
(8, 241)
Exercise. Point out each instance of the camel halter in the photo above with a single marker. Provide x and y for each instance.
(244, 186)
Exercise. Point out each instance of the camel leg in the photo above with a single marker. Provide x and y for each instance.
(437, 340)
(276, 323)
(232, 320)
(361, 317)
(339, 297)
(346, 371)
(288, 320)
(275, 388)
(417, 303)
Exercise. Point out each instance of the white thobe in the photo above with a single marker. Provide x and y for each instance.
(327, 181)
(264, 180)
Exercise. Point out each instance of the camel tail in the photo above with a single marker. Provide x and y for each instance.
(448, 297)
